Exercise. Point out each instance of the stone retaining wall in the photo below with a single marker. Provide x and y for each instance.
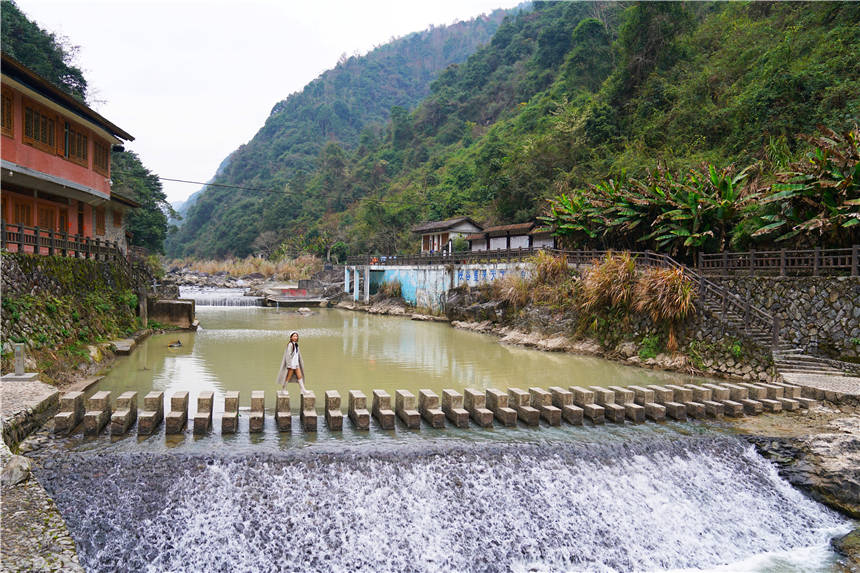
(819, 314)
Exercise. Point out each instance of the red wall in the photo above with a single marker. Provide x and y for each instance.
(16, 151)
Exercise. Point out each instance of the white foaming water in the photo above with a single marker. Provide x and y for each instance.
(219, 296)
(650, 505)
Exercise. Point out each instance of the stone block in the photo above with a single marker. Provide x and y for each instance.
(614, 412)
(475, 402)
(497, 403)
(602, 396)
(98, 413)
(257, 416)
(203, 417)
(581, 396)
(789, 404)
(700, 393)
(177, 418)
(714, 409)
(71, 412)
(661, 394)
(680, 393)
(789, 390)
(756, 392)
(772, 406)
(641, 395)
(124, 414)
(718, 393)
(452, 405)
(429, 408)
(230, 417)
(675, 410)
(381, 408)
(737, 393)
(623, 395)
(593, 412)
(807, 403)
(519, 400)
(308, 411)
(752, 407)
(774, 391)
(283, 411)
(333, 415)
(152, 415)
(812, 393)
(563, 400)
(634, 412)
(357, 410)
(695, 410)
(656, 412)
(404, 407)
(541, 400)
(732, 409)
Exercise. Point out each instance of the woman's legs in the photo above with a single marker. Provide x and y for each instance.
(297, 372)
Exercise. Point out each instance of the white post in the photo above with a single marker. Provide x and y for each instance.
(346, 279)
(367, 284)
(355, 290)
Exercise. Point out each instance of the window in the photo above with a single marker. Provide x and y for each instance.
(99, 215)
(23, 214)
(101, 156)
(117, 218)
(46, 217)
(76, 145)
(63, 223)
(39, 127)
(6, 114)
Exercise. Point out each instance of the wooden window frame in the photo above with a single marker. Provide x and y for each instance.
(76, 138)
(24, 206)
(7, 128)
(51, 213)
(49, 129)
(117, 218)
(99, 221)
(101, 146)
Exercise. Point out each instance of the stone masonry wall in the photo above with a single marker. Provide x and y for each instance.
(819, 314)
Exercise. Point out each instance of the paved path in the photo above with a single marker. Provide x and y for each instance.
(840, 384)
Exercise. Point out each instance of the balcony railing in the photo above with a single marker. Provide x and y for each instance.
(35, 240)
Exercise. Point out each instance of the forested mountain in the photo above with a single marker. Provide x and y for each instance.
(53, 58)
(346, 107)
(608, 110)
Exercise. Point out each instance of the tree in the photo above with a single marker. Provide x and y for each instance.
(147, 223)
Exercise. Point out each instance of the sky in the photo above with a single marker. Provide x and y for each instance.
(192, 80)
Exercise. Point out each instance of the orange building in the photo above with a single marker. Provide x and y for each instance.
(55, 178)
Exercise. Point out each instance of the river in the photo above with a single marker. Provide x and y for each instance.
(652, 497)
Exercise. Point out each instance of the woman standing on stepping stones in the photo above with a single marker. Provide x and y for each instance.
(292, 363)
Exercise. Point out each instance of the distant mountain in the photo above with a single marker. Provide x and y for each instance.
(347, 106)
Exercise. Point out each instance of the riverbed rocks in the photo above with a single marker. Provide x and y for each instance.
(849, 546)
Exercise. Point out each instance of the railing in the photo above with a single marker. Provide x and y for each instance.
(726, 301)
(784, 262)
(23, 239)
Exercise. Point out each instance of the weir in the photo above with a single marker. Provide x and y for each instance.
(551, 406)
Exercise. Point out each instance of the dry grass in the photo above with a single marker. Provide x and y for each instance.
(512, 290)
(390, 289)
(549, 269)
(610, 282)
(289, 269)
(666, 295)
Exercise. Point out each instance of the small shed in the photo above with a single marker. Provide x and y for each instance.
(517, 236)
(436, 236)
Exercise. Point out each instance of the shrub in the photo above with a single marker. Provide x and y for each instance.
(512, 290)
(390, 289)
(667, 296)
(610, 282)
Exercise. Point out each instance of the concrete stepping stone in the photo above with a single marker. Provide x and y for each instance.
(357, 410)
(152, 415)
(97, 414)
(563, 400)
(519, 400)
(308, 411)
(645, 398)
(605, 398)
(475, 402)
(584, 398)
(429, 408)
(497, 402)
(666, 398)
(404, 407)
(541, 400)
(203, 417)
(452, 405)
(71, 412)
(125, 413)
(626, 398)
(257, 417)
(230, 418)
(333, 415)
(382, 412)
(177, 418)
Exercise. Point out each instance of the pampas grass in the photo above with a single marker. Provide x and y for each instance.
(288, 269)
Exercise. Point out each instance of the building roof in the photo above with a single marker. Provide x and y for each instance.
(515, 229)
(18, 72)
(442, 225)
(124, 198)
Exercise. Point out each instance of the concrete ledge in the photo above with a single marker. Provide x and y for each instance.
(475, 402)
(358, 410)
(26, 404)
(381, 408)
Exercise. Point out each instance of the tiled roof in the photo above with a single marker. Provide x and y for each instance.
(442, 225)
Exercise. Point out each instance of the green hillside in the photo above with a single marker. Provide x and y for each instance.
(659, 125)
(346, 107)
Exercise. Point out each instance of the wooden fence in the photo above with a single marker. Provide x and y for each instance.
(784, 262)
(23, 239)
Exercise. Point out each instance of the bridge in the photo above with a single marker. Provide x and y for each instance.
(534, 407)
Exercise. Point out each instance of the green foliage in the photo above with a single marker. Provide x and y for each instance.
(148, 223)
(650, 347)
(45, 53)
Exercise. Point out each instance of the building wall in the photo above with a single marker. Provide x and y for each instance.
(497, 243)
(14, 149)
(519, 241)
(542, 242)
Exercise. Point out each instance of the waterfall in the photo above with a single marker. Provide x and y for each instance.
(654, 504)
(207, 296)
